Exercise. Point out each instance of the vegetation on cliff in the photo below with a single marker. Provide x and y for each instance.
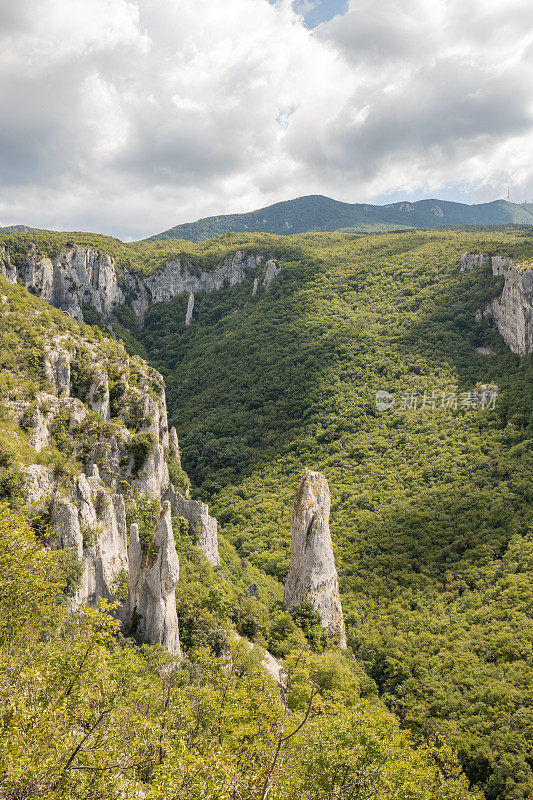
(85, 713)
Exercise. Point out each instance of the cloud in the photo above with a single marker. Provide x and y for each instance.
(129, 116)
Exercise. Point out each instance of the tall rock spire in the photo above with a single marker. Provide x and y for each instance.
(153, 577)
(312, 576)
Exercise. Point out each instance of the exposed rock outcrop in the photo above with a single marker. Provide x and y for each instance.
(190, 309)
(174, 446)
(77, 276)
(202, 526)
(88, 510)
(472, 260)
(82, 276)
(153, 577)
(512, 312)
(272, 271)
(92, 520)
(313, 576)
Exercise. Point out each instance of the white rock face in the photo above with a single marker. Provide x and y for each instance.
(174, 446)
(76, 276)
(272, 271)
(57, 369)
(190, 308)
(202, 525)
(472, 260)
(313, 576)
(92, 520)
(38, 483)
(512, 312)
(82, 275)
(152, 580)
(88, 510)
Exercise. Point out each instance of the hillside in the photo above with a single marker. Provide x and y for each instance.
(431, 515)
(318, 213)
(276, 368)
(101, 695)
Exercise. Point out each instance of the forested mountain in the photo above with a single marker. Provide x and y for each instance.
(318, 213)
(274, 350)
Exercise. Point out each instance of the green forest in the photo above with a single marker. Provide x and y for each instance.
(431, 522)
(431, 514)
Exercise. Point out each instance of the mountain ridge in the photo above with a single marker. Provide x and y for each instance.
(320, 213)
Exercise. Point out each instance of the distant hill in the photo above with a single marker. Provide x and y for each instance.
(15, 229)
(319, 213)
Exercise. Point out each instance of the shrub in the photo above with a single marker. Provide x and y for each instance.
(217, 639)
(82, 374)
(309, 621)
(120, 586)
(145, 511)
(88, 535)
(72, 569)
(177, 475)
(60, 431)
(139, 447)
(12, 487)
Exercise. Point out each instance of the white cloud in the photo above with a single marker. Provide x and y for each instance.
(129, 116)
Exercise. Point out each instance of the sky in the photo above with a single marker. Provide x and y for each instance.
(127, 117)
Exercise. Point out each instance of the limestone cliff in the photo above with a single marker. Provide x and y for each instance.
(75, 276)
(512, 312)
(203, 527)
(91, 445)
(117, 459)
(313, 576)
(81, 276)
(153, 576)
(93, 520)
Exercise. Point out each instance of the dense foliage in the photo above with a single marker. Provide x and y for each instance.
(86, 713)
(431, 520)
(431, 514)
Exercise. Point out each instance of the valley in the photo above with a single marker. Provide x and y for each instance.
(273, 368)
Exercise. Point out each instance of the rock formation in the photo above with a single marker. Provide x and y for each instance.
(92, 520)
(153, 576)
(312, 576)
(107, 412)
(88, 510)
(81, 276)
(202, 526)
(512, 312)
(272, 270)
(76, 276)
(190, 309)
(174, 446)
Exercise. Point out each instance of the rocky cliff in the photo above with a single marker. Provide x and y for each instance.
(88, 509)
(202, 526)
(150, 611)
(92, 447)
(79, 277)
(313, 576)
(512, 312)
